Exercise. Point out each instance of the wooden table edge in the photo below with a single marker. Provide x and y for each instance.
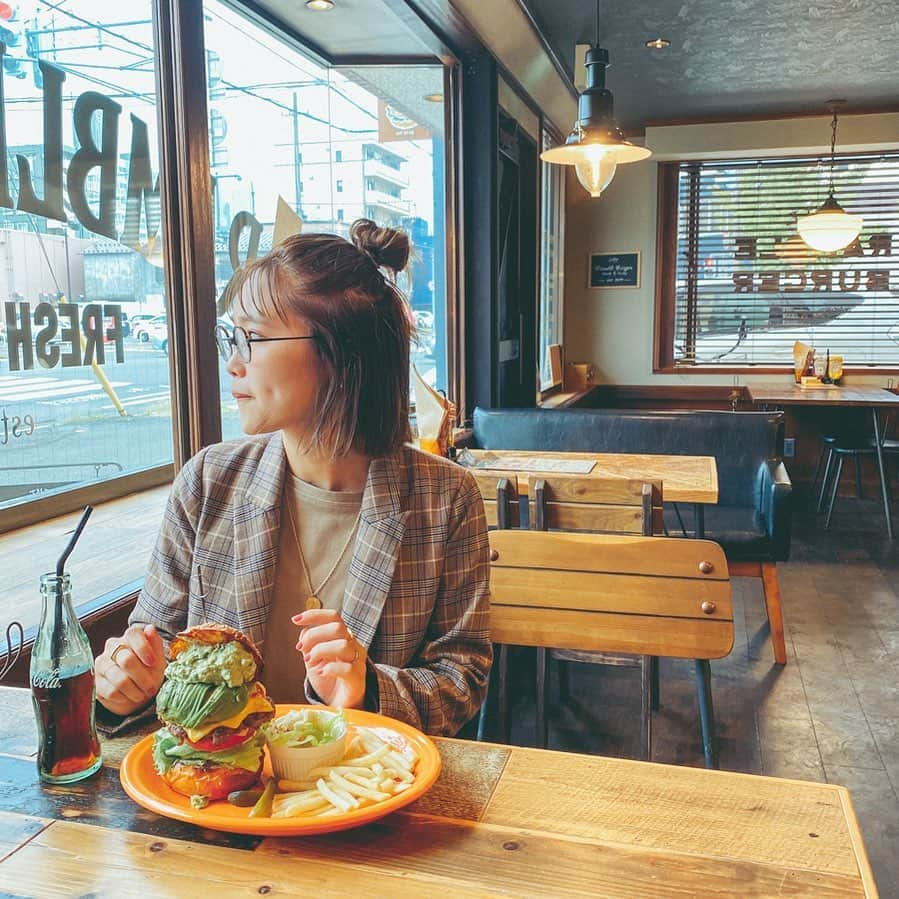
(858, 844)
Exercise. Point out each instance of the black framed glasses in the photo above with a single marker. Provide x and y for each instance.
(239, 341)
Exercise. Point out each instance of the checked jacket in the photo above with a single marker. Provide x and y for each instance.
(417, 593)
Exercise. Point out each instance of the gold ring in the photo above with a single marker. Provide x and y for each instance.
(117, 650)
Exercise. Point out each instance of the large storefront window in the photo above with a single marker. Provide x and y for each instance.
(84, 378)
(295, 146)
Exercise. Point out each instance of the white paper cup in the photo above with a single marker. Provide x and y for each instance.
(295, 762)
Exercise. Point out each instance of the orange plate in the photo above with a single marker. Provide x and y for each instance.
(147, 788)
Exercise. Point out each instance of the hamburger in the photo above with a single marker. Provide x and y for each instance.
(212, 707)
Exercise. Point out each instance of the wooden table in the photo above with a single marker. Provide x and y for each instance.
(499, 821)
(873, 398)
(687, 479)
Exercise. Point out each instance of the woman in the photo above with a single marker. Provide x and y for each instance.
(358, 564)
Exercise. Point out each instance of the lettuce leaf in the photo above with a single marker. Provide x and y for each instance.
(309, 727)
(167, 750)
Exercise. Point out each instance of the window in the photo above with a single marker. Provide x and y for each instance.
(84, 379)
(552, 262)
(738, 285)
(306, 111)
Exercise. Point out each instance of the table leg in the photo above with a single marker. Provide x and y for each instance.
(699, 518)
(878, 449)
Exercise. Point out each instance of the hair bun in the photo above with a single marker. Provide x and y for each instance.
(387, 247)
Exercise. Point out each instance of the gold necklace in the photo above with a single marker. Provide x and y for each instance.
(313, 601)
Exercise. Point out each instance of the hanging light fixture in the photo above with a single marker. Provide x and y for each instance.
(595, 146)
(830, 227)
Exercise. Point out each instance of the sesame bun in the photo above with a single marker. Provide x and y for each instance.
(212, 633)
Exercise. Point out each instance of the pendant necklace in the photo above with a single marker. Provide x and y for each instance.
(312, 600)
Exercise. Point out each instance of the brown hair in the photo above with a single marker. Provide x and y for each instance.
(361, 323)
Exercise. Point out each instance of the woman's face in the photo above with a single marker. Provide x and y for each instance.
(277, 388)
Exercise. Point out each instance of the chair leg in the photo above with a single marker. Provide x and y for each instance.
(833, 495)
(680, 519)
(858, 476)
(771, 589)
(542, 683)
(502, 699)
(646, 707)
(818, 467)
(824, 480)
(564, 681)
(655, 683)
(706, 712)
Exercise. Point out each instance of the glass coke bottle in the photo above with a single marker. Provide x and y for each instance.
(63, 688)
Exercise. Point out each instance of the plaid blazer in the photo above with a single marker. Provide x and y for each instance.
(417, 593)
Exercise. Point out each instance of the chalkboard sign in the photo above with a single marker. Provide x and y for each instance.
(614, 270)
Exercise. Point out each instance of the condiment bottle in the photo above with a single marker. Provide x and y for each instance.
(63, 688)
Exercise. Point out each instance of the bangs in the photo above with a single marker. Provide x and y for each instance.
(257, 289)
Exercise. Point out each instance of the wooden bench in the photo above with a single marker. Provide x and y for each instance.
(646, 596)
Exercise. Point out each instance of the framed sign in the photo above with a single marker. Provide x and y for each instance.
(614, 270)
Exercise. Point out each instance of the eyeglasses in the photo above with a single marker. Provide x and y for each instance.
(242, 342)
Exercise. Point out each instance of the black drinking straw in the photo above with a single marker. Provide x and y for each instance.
(60, 569)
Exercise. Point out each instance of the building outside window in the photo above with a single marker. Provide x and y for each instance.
(373, 121)
(742, 286)
(84, 373)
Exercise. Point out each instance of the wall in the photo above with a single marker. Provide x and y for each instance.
(506, 31)
(613, 328)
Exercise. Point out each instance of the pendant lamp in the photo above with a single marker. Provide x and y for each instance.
(595, 146)
(830, 227)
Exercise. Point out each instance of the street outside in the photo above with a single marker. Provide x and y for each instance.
(78, 437)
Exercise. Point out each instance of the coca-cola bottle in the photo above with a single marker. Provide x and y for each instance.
(63, 688)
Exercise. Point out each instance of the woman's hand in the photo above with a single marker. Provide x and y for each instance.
(335, 660)
(130, 669)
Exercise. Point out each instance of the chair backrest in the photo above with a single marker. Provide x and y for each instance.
(499, 490)
(598, 592)
(610, 505)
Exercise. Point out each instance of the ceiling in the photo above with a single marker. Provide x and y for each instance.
(734, 58)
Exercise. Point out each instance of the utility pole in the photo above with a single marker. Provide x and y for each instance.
(297, 180)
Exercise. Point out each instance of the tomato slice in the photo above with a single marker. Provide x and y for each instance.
(219, 742)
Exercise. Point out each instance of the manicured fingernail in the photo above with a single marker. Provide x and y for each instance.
(296, 618)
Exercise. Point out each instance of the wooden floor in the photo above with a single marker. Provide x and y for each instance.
(830, 715)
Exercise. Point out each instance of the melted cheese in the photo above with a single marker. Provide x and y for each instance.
(257, 702)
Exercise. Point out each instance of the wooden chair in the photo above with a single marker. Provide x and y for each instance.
(612, 505)
(647, 596)
(499, 491)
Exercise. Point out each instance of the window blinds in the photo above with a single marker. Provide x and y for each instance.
(747, 286)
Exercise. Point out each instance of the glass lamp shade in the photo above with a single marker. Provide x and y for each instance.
(829, 228)
(571, 153)
(596, 170)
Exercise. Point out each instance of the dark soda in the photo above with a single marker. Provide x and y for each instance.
(64, 709)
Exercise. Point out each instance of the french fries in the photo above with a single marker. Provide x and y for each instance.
(371, 771)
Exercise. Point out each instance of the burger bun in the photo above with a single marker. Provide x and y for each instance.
(210, 780)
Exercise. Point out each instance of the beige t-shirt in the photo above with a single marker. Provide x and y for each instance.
(324, 521)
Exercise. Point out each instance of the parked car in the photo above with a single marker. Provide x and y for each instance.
(145, 328)
(160, 343)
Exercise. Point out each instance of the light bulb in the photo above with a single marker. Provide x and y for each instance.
(596, 169)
